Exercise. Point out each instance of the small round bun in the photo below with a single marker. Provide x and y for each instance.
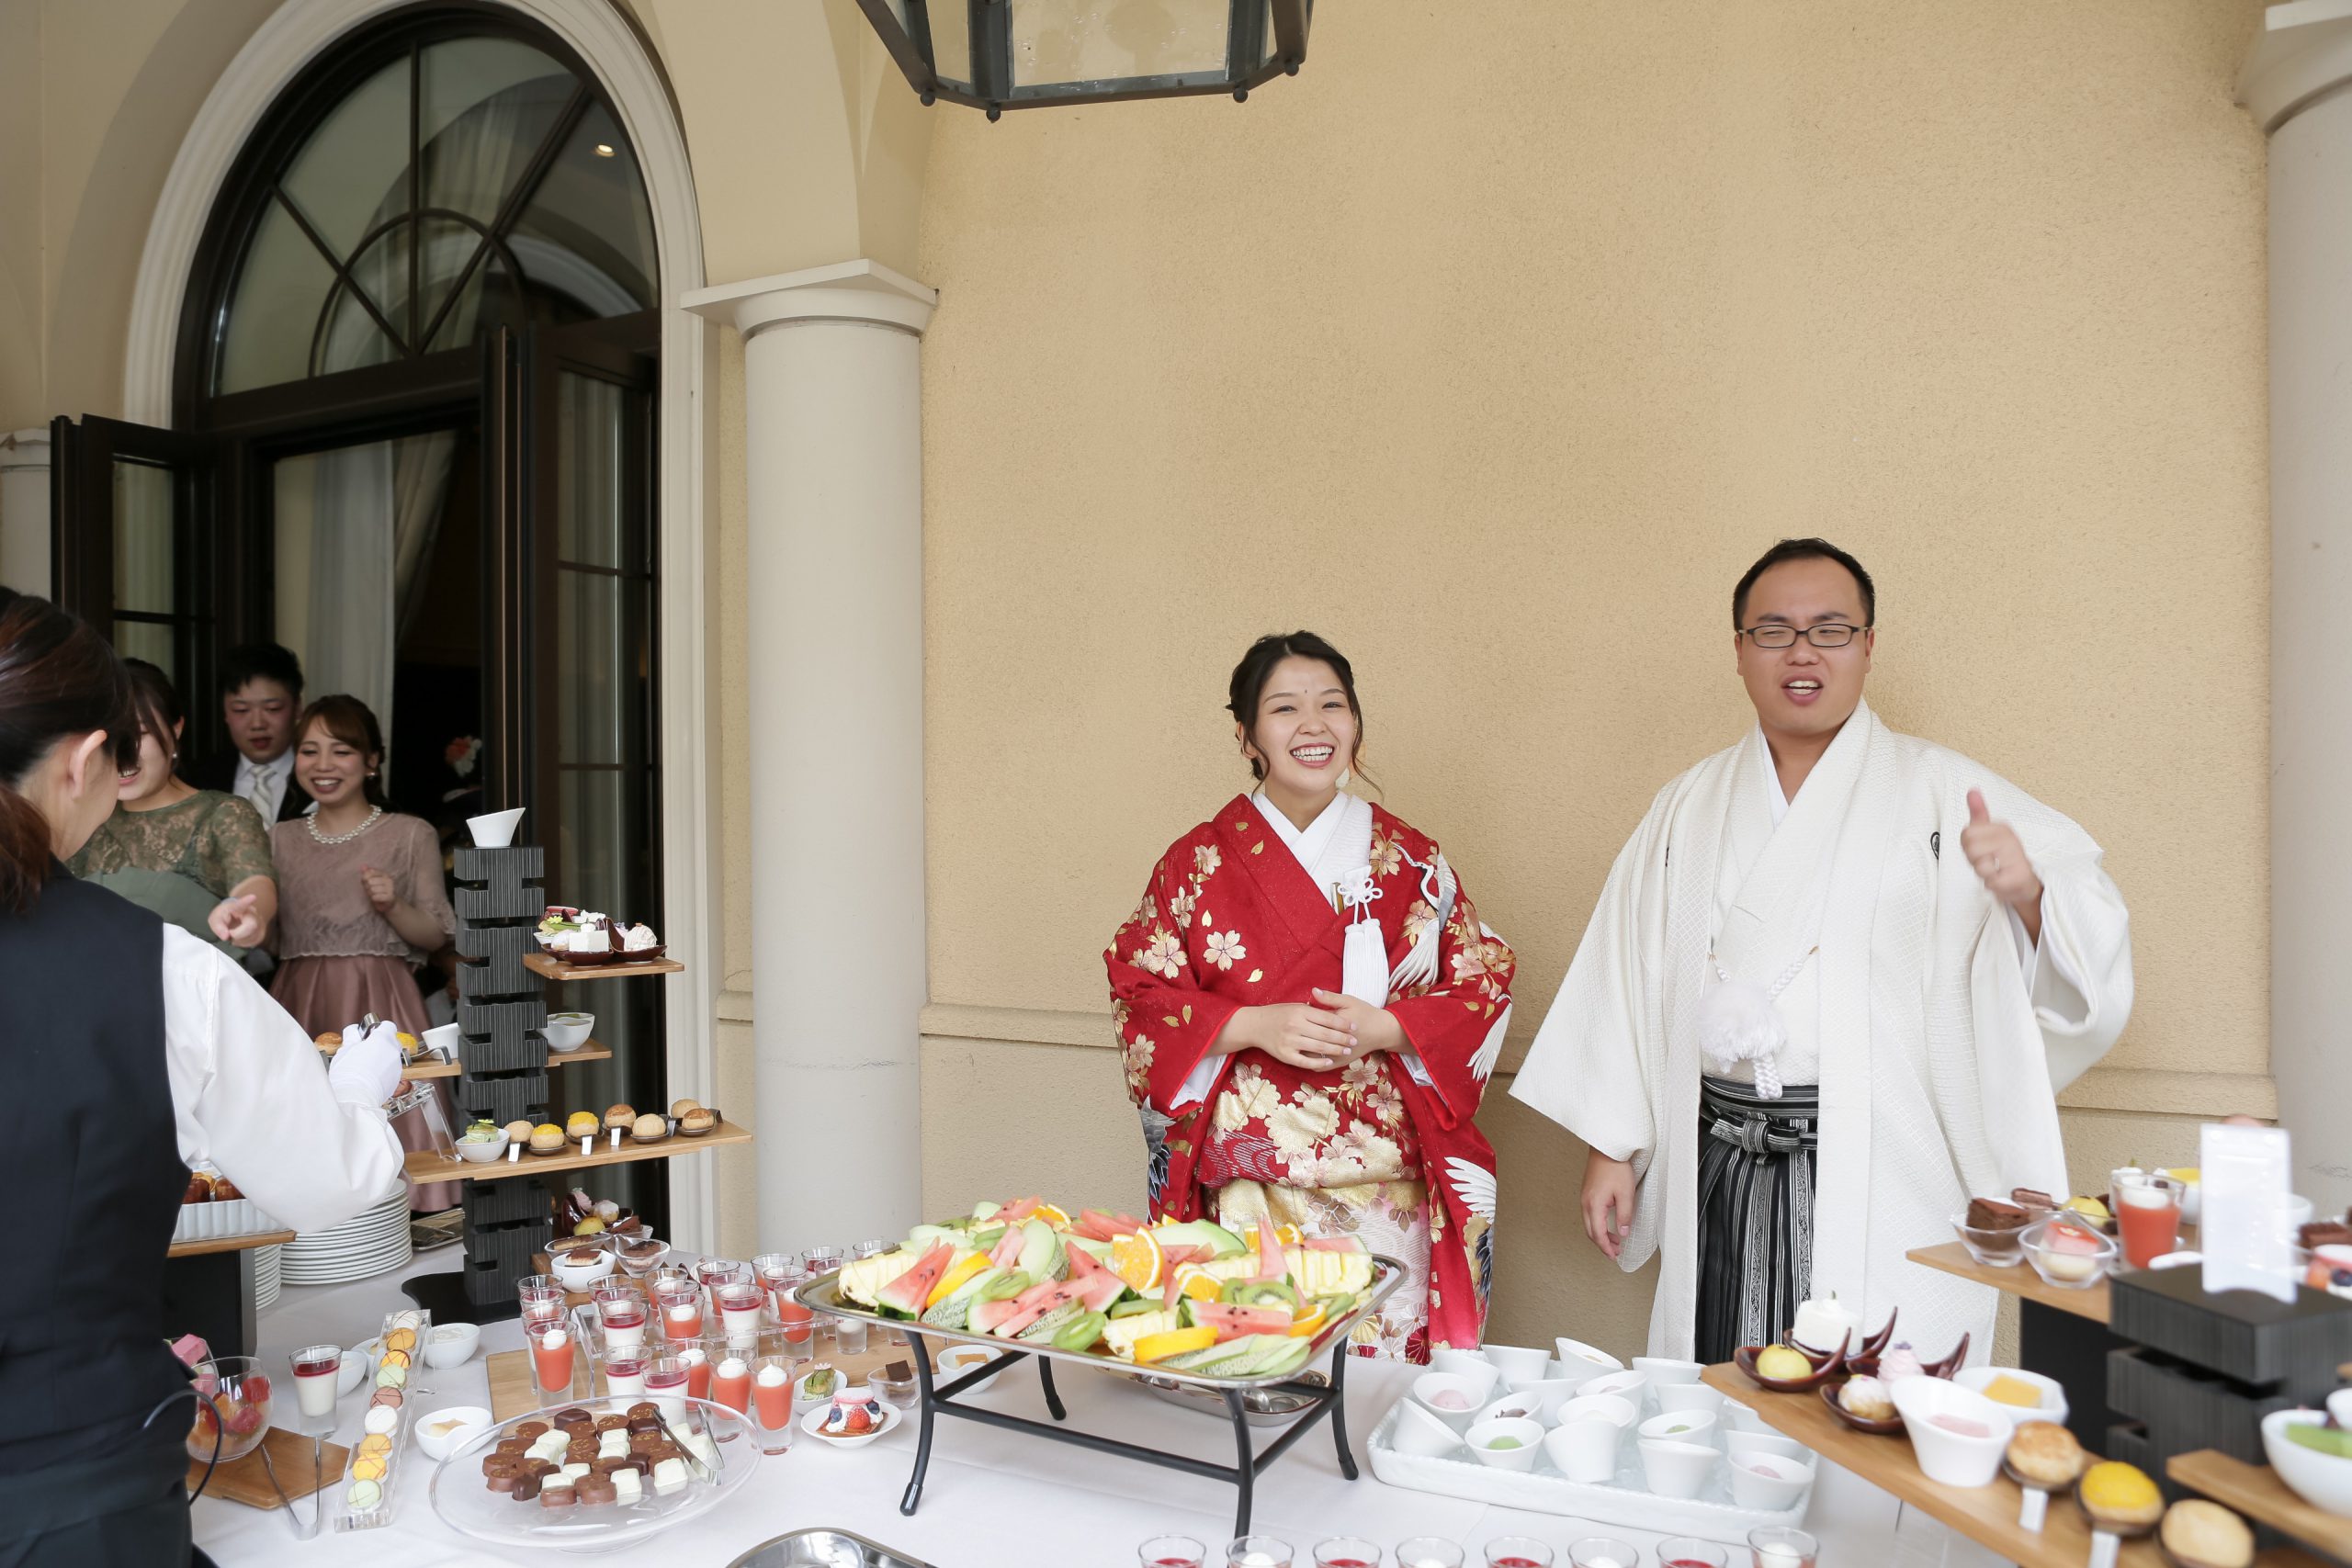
(621, 1115)
(679, 1108)
(697, 1120)
(520, 1132)
(649, 1129)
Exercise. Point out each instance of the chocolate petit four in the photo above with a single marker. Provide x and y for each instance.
(645, 1410)
(2031, 1200)
(595, 1490)
(556, 1493)
(612, 1423)
(1992, 1215)
(528, 1430)
(573, 1415)
(628, 1485)
(526, 1488)
(2324, 1232)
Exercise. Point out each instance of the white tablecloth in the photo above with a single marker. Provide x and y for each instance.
(992, 1499)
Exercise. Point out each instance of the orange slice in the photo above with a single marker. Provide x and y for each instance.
(1136, 1260)
(1174, 1342)
(1309, 1323)
(1052, 1215)
(1197, 1283)
(1289, 1235)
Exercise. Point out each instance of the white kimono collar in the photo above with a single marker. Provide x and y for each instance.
(1335, 847)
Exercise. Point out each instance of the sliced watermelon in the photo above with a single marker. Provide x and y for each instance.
(1008, 1248)
(1270, 1252)
(911, 1291)
(1107, 1227)
(1335, 1244)
(1237, 1322)
(1019, 1209)
(1096, 1285)
(986, 1316)
(1174, 1255)
(1032, 1304)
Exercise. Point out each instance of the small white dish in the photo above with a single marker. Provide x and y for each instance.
(1681, 1427)
(1672, 1396)
(1429, 1386)
(1675, 1469)
(495, 830)
(352, 1370)
(1549, 1394)
(1955, 1459)
(1511, 1407)
(2053, 1393)
(1470, 1364)
(1576, 1355)
(814, 1421)
(1758, 1444)
(1615, 1409)
(1525, 1437)
(1625, 1385)
(450, 1344)
(957, 1359)
(442, 1041)
(1585, 1450)
(374, 1350)
(2339, 1405)
(1422, 1434)
(1517, 1363)
(580, 1276)
(1769, 1483)
(1738, 1418)
(482, 1153)
(1663, 1369)
(442, 1433)
(2322, 1480)
(568, 1031)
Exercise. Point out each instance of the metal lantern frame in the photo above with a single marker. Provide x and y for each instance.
(1247, 63)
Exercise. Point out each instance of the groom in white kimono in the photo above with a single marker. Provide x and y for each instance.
(1832, 985)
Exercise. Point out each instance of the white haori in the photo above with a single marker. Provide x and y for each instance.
(1941, 1041)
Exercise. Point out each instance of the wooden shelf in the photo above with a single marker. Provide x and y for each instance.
(2022, 1281)
(425, 1166)
(549, 968)
(1988, 1514)
(2256, 1491)
(594, 1051)
(205, 1246)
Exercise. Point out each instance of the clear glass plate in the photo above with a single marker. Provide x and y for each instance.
(467, 1505)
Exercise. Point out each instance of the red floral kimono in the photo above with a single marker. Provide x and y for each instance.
(1232, 920)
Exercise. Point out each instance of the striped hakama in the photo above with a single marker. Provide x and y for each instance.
(1755, 1176)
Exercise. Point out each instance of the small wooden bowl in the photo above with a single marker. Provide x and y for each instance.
(1866, 1366)
(1825, 1367)
(1890, 1428)
(1875, 1346)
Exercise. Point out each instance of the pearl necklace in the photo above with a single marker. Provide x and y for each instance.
(312, 820)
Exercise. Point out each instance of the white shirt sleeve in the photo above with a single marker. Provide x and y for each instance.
(249, 1097)
(2056, 995)
(1197, 1083)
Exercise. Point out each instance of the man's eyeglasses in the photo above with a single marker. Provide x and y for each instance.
(1775, 634)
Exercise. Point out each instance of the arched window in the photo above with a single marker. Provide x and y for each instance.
(450, 174)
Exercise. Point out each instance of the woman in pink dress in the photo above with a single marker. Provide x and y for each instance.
(360, 899)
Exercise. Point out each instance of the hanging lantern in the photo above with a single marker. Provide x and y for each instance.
(1018, 54)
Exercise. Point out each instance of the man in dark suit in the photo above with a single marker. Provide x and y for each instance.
(261, 694)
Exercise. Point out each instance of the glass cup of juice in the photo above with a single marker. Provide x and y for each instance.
(772, 1380)
(681, 1303)
(731, 1382)
(1346, 1551)
(317, 1369)
(1689, 1551)
(2147, 1215)
(552, 1358)
(1170, 1552)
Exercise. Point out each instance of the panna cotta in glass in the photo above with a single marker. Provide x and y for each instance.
(623, 1314)
(665, 1385)
(740, 1302)
(624, 1376)
(316, 1370)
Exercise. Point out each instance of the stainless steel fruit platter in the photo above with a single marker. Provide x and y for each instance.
(1244, 1396)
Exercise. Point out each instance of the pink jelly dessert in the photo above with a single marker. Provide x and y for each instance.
(1962, 1425)
(1447, 1399)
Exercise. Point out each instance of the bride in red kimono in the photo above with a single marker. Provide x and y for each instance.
(1309, 1008)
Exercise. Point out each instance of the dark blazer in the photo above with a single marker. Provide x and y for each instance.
(220, 772)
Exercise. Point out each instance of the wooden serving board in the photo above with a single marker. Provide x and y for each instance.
(552, 968)
(1986, 1515)
(593, 1051)
(244, 1480)
(512, 1393)
(211, 1244)
(425, 1166)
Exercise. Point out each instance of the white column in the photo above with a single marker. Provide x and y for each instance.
(833, 475)
(2291, 83)
(24, 511)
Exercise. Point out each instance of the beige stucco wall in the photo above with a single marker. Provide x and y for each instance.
(1493, 347)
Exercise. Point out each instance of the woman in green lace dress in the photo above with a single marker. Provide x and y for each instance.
(198, 857)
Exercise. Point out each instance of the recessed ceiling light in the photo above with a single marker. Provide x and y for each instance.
(604, 148)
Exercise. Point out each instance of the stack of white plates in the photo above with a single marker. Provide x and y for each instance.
(368, 1244)
(265, 1278)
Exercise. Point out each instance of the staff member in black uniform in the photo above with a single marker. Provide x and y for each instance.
(135, 1047)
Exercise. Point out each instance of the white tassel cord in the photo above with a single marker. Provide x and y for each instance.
(1740, 1020)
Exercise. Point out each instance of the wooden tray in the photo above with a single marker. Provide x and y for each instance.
(211, 1244)
(1986, 1515)
(425, 1166)
(511, 1395)
(593, 1051)
(244, 1480)
(2022, 1281)
(552, 968)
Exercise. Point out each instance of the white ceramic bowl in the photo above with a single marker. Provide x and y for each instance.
(1512, 1407)
(1759, 1445)
(495, 830)
(1677, 1470)
(1429, 1385)
(580, 1276)
(2339, 1405)
(1682, 1426)
(1618, 1411)
(2322, 1480)
(568, 1031)
(456, 1350)
(355, 1368)
(1627, 1386)
(1771, 1483)
(1517, 1363)
(1665, 1370)
(1586, 1450)
(2053, 1393)
(483, 1153)
(1549, 1394)
(1953, 1458)
(1470, 1364)
(1738, 1418)
(963, 1357)
(441, 1038)
(1574, 1355)
(1419, 1433)
(1527, 1434)
(374, 1350)
(1689, 1396)
(440, 1440)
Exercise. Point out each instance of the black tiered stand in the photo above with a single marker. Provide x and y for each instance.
(502, 1012)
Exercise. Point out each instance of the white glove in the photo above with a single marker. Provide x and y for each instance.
(366, 1071)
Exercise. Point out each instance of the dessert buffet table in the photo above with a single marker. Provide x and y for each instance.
(989, 1501)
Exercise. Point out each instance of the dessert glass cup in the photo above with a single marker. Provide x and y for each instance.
(1170, 1552)
(317, 1370)
(641, 1256)
(2147, 1215)
(1346, 1551)
(1429, 1551)
(1689, 1551)
(1518, 1552)
(822, 1260)
(235, 1398)
(2067, 1270)
(1256, 1552)
(849, 1336)
(1603, 1552)
(1994, 1249)
(874, 1248)
(665, 1385)
(1778, 1546)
